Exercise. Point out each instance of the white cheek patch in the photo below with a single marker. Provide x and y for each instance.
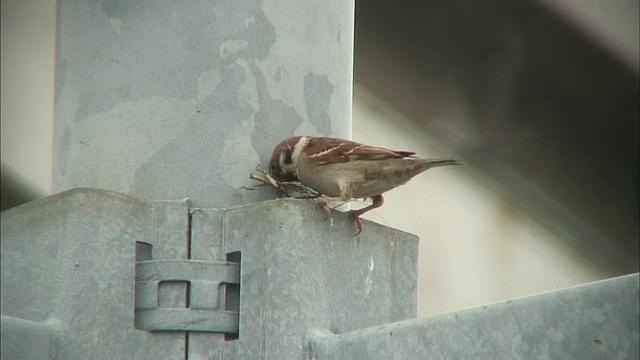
(280, 160)
(298, 147)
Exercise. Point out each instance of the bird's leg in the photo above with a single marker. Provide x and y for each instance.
(323, 203)
(378, 200)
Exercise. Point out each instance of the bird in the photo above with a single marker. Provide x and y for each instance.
(343, 170)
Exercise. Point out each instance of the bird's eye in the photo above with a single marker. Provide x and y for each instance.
(273, 167)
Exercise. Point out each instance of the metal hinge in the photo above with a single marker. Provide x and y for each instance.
(207, 307)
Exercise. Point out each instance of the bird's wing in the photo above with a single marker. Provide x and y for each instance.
(330, 151)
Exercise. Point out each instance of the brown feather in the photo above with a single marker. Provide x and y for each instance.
(330, 150)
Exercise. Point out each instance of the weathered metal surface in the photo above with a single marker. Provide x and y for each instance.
(206, 310)
(27, 340)
(69, 261)
(299, 273)
(593, 321)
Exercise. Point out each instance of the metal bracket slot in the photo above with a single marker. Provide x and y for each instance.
(205, 296)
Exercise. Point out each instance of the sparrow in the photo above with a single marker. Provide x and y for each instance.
(343, 170)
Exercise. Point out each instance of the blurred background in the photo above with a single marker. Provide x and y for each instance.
(538, 98)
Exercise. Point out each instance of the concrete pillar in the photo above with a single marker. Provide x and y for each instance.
(170, 100)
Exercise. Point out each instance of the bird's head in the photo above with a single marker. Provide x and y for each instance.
(282, 164)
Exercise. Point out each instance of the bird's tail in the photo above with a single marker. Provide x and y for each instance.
(431, 163)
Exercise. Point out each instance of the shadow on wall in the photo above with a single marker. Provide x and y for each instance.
(15, 190)
(546, 115)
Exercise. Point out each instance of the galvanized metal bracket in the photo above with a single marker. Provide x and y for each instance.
(205, 306)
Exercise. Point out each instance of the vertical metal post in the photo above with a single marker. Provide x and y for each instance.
(171, 100)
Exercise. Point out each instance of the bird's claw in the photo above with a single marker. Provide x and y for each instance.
(327, 210)
(356, 218)
(355, 214)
